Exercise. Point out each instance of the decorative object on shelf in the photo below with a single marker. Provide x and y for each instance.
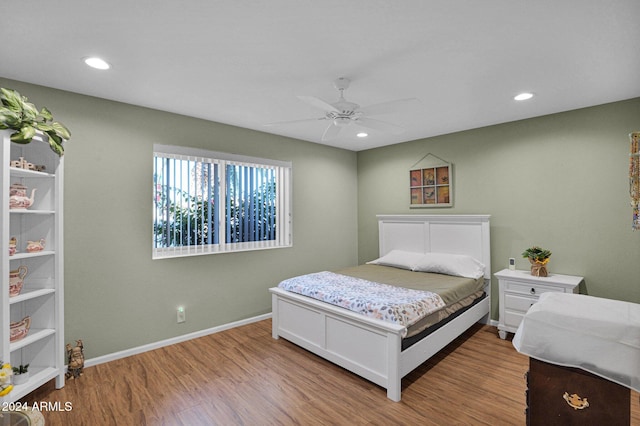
(5, 379)
(21, 163)
(35, 246)
(20, 329)
(21, 374)
(430, 182)
(16, 113)
(634, 178)
(18, 198)
(538, 257)
(13, 243)
(75, 360)
(16, 280)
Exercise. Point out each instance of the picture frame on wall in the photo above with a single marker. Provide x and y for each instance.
(431, 186)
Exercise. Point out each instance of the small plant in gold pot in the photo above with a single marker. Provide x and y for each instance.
(538, 257)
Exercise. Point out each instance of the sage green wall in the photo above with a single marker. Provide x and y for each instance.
(116, 297)
(558, 181)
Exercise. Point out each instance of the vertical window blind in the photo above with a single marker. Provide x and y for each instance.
(209, 202)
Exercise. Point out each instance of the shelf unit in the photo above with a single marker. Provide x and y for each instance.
(42, 295)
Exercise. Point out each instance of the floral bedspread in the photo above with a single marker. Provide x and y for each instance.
(381, 301)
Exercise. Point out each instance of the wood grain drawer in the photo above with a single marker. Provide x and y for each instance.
(532, 289)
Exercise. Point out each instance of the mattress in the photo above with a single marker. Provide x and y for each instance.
(456, 292)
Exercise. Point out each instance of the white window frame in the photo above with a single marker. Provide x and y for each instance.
(282, 172)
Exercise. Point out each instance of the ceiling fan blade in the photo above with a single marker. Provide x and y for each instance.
(304, 120)
(331, 132)
(388, 107)
(318, 103)
(380, 125)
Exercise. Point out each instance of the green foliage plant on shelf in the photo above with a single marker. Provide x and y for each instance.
(16, 113)
(21, 369)
(537, 255)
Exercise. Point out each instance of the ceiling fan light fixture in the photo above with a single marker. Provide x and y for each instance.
(523, 96)
(342, 121)
(97, 63)
(343, 113)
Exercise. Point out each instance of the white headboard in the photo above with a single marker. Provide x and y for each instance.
(455, 234)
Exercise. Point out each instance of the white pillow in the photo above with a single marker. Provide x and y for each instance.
(399, 259)
(450, 264)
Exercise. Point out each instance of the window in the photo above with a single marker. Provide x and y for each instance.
(209, 202)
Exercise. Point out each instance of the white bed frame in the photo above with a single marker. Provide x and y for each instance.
(371, 348)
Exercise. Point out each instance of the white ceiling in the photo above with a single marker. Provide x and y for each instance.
(244, 62)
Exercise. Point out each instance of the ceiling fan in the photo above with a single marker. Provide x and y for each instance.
(343, 113)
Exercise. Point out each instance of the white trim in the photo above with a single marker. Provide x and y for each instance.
(172, 341)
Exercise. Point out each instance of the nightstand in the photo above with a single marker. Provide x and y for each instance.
(519, 290)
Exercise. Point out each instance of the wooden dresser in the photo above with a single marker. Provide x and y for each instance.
(549, 386)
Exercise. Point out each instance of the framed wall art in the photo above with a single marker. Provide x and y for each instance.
(430, 183)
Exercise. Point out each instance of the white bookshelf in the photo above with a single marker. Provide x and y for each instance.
(42, 295)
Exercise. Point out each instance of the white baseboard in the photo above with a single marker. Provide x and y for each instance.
(151, 346)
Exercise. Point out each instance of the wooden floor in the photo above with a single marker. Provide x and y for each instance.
(244, 377)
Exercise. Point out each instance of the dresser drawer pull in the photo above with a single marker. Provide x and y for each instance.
(532, 291)
(575, 401)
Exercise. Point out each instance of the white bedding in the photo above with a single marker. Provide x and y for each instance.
(598, 335)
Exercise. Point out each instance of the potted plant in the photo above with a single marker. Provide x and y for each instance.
(21, 374)
(17, 114)
(538, 257)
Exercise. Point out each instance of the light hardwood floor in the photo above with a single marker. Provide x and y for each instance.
(244, 377)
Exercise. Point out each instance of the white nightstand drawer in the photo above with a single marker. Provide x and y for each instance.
(532, 289)
(518, 303)
(512, 319)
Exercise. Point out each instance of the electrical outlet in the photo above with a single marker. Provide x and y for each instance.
(182, 314)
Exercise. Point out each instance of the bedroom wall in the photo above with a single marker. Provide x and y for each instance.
(558, 181)
(116, 297)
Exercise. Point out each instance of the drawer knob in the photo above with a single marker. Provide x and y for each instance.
(533, 290)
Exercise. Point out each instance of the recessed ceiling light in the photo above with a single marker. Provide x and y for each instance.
(97, 63)
(523, 96)
(362, 135)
